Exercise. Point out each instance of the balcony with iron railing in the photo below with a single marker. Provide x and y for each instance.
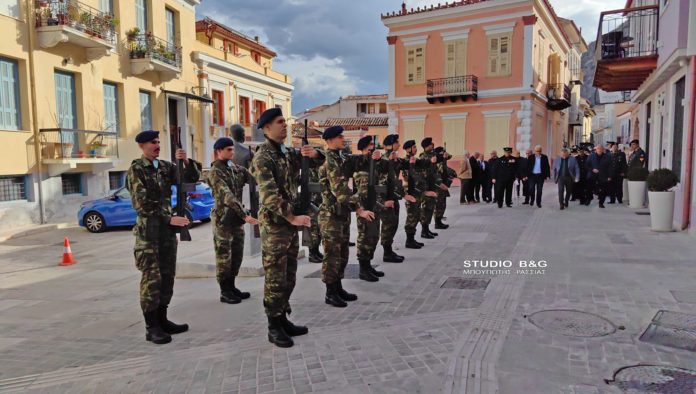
(626, 47)
(453, 88)
(76, 23)
(558, 96)
(150, 53)
(63, 149)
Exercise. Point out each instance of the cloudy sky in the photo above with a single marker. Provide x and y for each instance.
(333, 48)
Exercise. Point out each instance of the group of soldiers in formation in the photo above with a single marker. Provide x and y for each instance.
(275, 172)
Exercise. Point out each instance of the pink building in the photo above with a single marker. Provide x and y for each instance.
(482, 75)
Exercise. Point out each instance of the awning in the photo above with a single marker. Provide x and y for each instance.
(190, 96)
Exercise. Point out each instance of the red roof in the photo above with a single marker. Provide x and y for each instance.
(357, 122)
(366, 97)
(234, 35)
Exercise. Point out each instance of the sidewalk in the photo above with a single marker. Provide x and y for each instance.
(426, 327)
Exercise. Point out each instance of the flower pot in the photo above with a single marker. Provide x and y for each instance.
(661, 211)
(636, 194)
(624, 186)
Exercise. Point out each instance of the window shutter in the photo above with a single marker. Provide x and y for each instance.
(420, 65)
(493, 52)
(413, 130)
(410, 65)
(110, 108)
(460, 59)
(504, 61)
(9, 98)
(450, 60)
(453, 133)
(145, 111)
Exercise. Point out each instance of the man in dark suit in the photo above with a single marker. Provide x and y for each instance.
(538, 171)
(619, 168)
(491, 163)
(522, 175)
(242, 154)
(476, 176)
(600, 168)
(566, 173)
(504, 177)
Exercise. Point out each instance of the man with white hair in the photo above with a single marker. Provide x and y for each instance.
(538, 170)
(565, 173)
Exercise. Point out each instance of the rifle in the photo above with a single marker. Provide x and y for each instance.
(390, 189)
(182, 190)
(254, 204)
(304, 205)
(371, 203)
(412, 190)
(444, 173)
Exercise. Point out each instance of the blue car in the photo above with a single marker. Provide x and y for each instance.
(116, 209)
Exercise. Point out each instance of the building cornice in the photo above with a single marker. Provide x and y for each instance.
(446, 12)
(459, 25)
(455, 35)
(418, 40)
(500, 28)
(222, 65)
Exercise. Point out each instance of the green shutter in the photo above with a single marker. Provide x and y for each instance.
(110, 108)
(145, 111)
(9, 95)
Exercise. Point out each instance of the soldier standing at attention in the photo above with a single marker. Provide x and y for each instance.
(504, 176)
(416, 189)
(619, 168)
(227, 181)
(276, 169)
(434, 183)
(337, 203)
(149, 182)
(442, 194)
(390, 216)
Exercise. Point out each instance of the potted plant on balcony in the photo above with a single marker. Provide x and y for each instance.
(132, 34)
(97, 148)
(661, 199)
(636, 186)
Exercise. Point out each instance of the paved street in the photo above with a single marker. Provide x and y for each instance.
(79, 329)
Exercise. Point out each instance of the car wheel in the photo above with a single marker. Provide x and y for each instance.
(206, 220)
(94, 222)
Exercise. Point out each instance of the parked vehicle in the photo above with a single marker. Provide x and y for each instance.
(116, 209)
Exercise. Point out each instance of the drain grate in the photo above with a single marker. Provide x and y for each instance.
(572, 323)
(654, 379)
(352, 271)
(466, 283)
(672, 329)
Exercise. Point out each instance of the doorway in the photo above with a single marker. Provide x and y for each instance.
(680, 91)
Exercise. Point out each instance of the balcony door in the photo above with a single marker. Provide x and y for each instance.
(680, 91)
(171, 28)
(66, 115)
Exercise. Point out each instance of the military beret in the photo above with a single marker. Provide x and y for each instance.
(390, 139)
(574, 147)
(364, 142)
(268, 115)
(507, 149)
(408, 144)
(635, 142)
(146, 136)
(611, 143)
(223, 143)
(427, 141)
(439, 150)
(331, 132)
(574, 150)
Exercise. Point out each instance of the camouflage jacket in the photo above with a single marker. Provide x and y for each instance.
(277, 177)
(361, 178)
(337, 196)
(227, 183)
(430, 173)
(396, 168)
(420, 169)
(151, 190)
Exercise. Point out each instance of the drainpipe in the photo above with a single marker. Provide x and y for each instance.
(34, 109)
(690, 147)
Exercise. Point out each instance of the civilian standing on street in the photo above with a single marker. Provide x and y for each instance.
(466, 194)
(538, 171)
(600, 168)
(489, 167)
(565, 173)
(242, 154)
(476, 175)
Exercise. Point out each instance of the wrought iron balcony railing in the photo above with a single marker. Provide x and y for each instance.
(628, 33)
(79, 16)
(61, 144)
(558, 96)
(143, 46)
(453, 87)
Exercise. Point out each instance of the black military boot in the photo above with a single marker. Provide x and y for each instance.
(226, 294)
(291, 329)
(411, 242)
(434, 234)
(365, 273)
(345, 296)
(240, 294)
(374, 272)
(276, 333)
(439, 225)
(168, 326)
(315, 256)
(425, 233)
(332, 298)
(390, 256)
(153, 330)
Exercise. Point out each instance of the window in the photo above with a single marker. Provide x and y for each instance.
(106, 6)
(499, 55)
(72, 183)
(455, 61)
(13, 187)
(413, 130)
(382, 108)
(244, 117)
(145, 111)
(116, 179)
(256, 56)
(65, 100)
(110, 108)
(259, 107)
(219, 108)
(371, 108)
(171, 27)
(10, 8)
(453, 133)
(9, 95)
(141, 15)
(415, 65)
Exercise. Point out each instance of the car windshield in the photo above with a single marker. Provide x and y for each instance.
(123, 194)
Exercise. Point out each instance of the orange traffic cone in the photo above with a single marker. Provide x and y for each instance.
(67, 254)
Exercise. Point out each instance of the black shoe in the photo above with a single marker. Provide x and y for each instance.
(376, 273)
(562, 207)
(291, 329)
(332, 298)
(345, 296)
(411, 243)
(153, 330)
(440, 226)
(509, 205)
(276, 333)
(612, 201)
(233, 288)
(168, 326)
(365, 273)
(620, 201)
(390, 256)
(229, 297)
(525, 203)
(539, 205)
(425, 234)
(315, 256)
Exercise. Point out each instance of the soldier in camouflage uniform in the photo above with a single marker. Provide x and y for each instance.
(441, 203)
(390, 215)
(227, 180)
(315, 256)
(149, 182)
(434, 183)
(338, 201)
(276, 169)
(416, 190)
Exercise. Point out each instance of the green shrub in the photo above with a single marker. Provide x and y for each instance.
(662, 180)
(637, 174)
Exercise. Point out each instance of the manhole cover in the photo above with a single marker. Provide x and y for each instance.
(466, 283)
(672, 329)
(654, 379)
(572, 323)
(352, 271)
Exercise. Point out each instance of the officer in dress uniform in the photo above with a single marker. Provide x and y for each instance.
(149, 182)
(504, 177)
(637, 158)
(619, 168)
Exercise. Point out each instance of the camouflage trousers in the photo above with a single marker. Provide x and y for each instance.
(335, 236)
(155, 258)
(441, 204)
(315, 231)
(368, 237)
(279, 248)
(413, 215)
(427, 210)
(229, 250)
(390, 224)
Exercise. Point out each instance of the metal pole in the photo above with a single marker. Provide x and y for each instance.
(34, 109)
